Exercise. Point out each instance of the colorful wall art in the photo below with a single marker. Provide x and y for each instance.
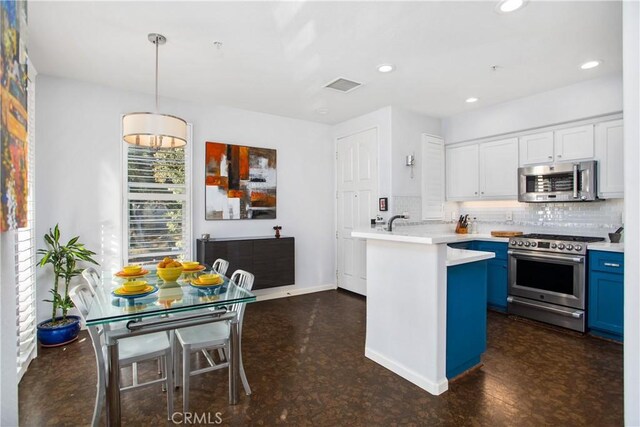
(240, 182)
(13, 111)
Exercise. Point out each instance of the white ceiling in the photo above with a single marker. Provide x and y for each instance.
(276, 56)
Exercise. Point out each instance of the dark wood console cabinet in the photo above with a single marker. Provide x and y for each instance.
(271, 260)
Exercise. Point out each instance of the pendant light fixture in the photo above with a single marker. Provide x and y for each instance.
(154, 130)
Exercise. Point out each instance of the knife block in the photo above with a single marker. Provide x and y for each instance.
(462, 230)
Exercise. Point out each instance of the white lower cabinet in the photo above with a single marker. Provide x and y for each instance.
(610, 156)
(486, 171)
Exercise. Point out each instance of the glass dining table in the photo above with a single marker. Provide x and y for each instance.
(164, 306)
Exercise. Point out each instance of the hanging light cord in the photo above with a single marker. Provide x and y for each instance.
(157, 43)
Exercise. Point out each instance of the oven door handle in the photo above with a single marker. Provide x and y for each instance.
(576, 259)
(576, 314)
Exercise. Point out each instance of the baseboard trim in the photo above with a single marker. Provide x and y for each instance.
(290, 291)
(409, 375)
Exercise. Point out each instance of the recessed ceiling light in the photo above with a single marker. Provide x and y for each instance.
(470, 100)
(506, 6)
(322, 111)
(590, 64)
(386, 68)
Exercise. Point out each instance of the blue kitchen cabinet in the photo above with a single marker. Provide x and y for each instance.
(462, 245)
(497, 276)
(466, 316)
(606, 294)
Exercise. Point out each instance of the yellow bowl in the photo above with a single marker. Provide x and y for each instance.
(170, 274)
(134, 285)
(132, 269)
(210, 279)
(190, 265)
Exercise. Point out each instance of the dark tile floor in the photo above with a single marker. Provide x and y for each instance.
(304, 357)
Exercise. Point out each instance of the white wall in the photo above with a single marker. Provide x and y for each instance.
(631, 55)
(581, 100)
(78, 173)
(406, 135)
(399, 134)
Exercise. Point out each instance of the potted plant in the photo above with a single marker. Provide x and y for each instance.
(64, 259)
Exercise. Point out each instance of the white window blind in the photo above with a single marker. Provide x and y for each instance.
(157, 204)
(25, 256)
(432, 167)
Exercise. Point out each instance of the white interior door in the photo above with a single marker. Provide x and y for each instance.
(357, 193)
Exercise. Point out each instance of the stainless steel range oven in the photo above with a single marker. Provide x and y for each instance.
(547, 278)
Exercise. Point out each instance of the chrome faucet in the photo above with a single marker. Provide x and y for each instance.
(393, 218)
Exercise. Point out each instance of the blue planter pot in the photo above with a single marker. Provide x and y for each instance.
(59, 335)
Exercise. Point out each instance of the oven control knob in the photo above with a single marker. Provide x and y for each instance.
(561, 246)
(527, 244)
(514, 243)
(520, 243)
(578, 248)
(570, 246)
(553, 246)
(534, 244)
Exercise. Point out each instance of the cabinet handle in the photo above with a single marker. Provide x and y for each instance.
(475, 192)
(482, 192)
(550, 157)
(559, 155)
(611, 264)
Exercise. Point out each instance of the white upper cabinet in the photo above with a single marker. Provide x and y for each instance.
(536, 149)
(499, 169)
(574, 144)
(563, 145)
(489, 170)
(462, 172)
(610, 155)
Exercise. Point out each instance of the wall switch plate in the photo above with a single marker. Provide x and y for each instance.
(454, 216)
(509, 216)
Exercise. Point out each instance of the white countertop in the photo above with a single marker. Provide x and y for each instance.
(606, 246)
(426, 238)
(464, 256)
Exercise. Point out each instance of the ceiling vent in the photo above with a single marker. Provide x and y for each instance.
(343, 85)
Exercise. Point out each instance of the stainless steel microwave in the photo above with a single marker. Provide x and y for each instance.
(559, 182)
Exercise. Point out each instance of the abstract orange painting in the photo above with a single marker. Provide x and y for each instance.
(240, 182)
(13, 116)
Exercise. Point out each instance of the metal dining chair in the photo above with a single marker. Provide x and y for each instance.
(132, 350)
(220, 266)
(214, 336)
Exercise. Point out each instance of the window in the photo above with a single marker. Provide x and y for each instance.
(157, 205)
(25, 253)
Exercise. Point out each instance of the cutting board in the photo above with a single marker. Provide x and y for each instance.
(506, 233)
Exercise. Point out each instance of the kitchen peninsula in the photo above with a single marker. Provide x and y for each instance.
(413, 280)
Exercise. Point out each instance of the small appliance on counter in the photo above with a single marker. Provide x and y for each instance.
(547, 278)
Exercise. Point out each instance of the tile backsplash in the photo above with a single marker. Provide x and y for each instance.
(413, 205)
(601, 217)
(602, 214)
